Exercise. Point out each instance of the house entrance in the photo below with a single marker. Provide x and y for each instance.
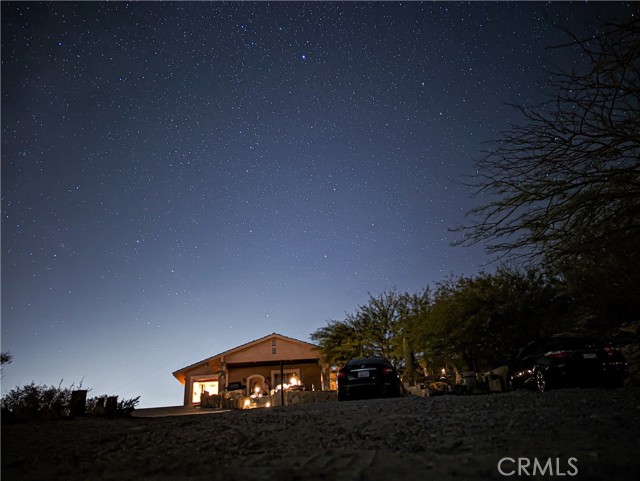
(256, 385)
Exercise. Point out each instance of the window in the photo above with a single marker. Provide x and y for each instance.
(199, 386)
(273, 350)
(291, 376)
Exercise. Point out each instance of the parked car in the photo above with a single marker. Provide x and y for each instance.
(368, 377)
(562, 361)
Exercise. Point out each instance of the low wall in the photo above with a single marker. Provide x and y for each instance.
(292, 398)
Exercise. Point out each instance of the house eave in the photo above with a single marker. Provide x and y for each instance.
(180, 374)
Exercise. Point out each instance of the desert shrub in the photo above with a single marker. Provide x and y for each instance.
(34, 402)
(96, 405)
(128, 405)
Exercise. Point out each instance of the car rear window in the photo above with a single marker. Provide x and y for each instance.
(369, 361)
(570, 344)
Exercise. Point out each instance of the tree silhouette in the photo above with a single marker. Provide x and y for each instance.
(376, 328)
(565, 185)
(5, 358)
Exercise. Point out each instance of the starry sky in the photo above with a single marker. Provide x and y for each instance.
(181, 178)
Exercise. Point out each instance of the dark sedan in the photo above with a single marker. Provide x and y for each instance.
(368, 377)
(568, 361)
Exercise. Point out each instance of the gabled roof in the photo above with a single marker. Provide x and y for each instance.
(243, 346)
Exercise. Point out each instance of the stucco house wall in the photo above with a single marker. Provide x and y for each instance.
(309, 374)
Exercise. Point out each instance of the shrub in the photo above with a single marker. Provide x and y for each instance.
(36, 402)
(33, 402)
(96, 405)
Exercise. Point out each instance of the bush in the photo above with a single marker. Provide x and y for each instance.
(33, 402)
(96, 405)
(36, 402)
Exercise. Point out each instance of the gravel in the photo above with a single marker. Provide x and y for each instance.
(411, 438)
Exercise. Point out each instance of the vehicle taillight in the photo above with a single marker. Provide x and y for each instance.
(387, 370)
(558, 354)
(342, 375)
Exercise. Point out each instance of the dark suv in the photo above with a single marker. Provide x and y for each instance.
(568, 361)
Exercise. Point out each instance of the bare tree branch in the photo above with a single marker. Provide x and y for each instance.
(566, 182)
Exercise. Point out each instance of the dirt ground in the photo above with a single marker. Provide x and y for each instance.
(411, 438)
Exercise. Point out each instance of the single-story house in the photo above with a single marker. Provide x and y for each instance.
(256, 367)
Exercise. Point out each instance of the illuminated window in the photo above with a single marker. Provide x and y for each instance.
(202, 385)
(291, 377)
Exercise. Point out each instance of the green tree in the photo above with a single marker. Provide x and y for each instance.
(412, 309)
(376, 328)
(377, 321)
(482, 321)
(339, 341)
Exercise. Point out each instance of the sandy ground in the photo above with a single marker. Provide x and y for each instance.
(437, 438)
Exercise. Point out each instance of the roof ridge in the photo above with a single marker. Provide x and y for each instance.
(241, 346)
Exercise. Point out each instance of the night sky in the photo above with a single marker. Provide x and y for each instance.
(181, 178)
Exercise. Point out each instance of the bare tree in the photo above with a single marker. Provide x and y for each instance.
(565, 184)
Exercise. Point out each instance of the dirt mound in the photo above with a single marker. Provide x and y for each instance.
(447, 437)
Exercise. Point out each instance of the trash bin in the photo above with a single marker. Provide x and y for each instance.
(78, 403)
(111, 408)
(470, 380)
